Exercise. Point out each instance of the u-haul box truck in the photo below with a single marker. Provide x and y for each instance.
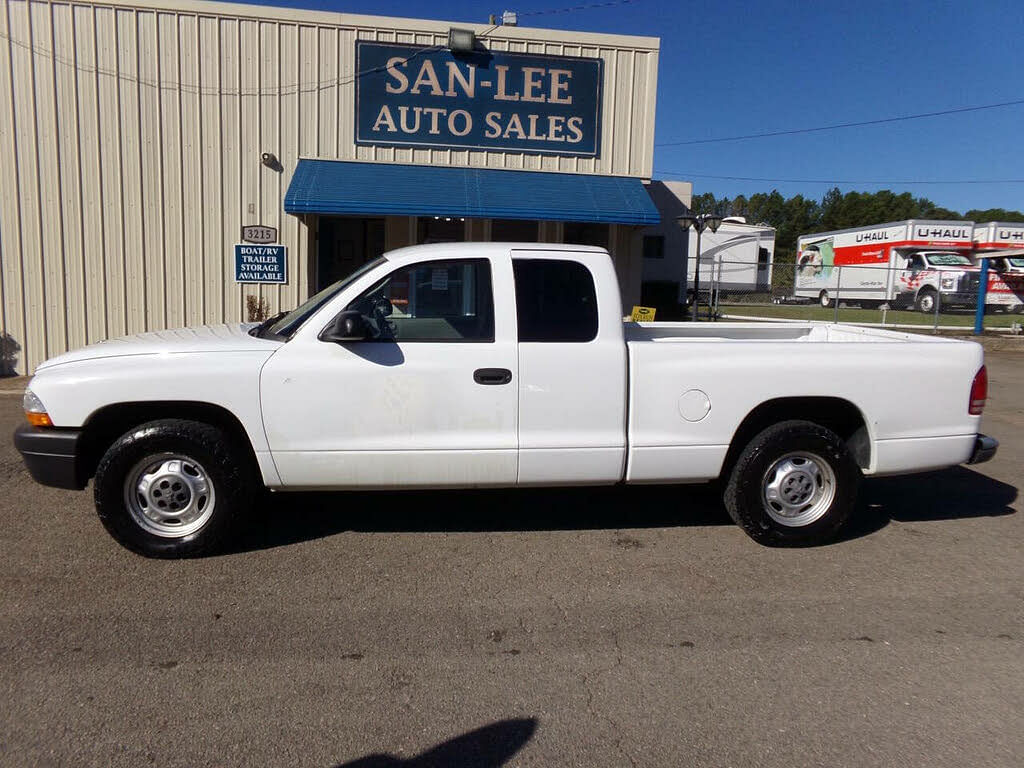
(906, 263)
(1003, 244)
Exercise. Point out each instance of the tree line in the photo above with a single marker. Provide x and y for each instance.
(798, 215)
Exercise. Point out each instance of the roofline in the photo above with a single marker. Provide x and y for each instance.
(333, 19)
(903, 223)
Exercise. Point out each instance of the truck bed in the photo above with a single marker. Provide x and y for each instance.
(687, 395)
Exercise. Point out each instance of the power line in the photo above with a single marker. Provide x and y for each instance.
(574, 8)
(793, 131)
(908, 182)
(282, 90)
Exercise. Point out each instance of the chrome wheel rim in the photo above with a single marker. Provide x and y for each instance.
(825, 299)
(798, 489)
(169, 495)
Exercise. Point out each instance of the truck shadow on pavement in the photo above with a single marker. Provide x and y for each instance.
(288, 518)
(487, 747)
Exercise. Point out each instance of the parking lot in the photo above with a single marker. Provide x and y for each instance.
(587, 627)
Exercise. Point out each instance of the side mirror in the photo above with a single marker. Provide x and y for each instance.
(348, 326)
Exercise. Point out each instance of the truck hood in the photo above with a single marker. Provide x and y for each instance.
(229, 337)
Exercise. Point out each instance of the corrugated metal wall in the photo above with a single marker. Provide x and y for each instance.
(131, 138)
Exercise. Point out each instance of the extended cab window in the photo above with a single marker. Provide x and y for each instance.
(432, 301)
(555, 300)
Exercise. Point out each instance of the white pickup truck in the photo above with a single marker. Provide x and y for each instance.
(490, 364)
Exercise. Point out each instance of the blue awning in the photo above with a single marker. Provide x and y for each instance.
(388, 189)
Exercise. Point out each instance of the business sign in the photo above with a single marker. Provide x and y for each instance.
(261, 263)
(494, 100)
(258, 233)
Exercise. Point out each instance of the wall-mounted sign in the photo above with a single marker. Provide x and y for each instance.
(257, 233)
(486, 100)
(261, 263)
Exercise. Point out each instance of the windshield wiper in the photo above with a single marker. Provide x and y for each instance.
(260, 329)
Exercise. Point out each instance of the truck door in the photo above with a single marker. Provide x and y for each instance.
(572, 369)
(430, 401)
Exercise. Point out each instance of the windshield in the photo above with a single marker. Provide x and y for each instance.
(1019, 263)
(290, 323)
(948, 260)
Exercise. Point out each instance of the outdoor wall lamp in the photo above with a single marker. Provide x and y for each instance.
(699, 223)
(461, 40)
(270, 160)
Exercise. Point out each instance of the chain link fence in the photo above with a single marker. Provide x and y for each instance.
(921, 297)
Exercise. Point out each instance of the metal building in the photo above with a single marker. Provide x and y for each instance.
(139, 138)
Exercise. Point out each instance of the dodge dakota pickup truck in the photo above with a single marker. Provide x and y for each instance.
(493, 365)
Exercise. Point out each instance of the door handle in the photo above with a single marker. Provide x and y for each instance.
(492, 375)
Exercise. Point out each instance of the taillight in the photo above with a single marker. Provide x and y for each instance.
(979, 392)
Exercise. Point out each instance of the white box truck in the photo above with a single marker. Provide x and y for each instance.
(1003, 244)
(905, 263)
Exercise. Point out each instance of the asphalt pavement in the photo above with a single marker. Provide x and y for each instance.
(587, 627)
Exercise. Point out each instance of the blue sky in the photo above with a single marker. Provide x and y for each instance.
(776, 65)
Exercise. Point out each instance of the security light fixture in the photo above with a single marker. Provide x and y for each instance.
(461, 40)
(269, 159)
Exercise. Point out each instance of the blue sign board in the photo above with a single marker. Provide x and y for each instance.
(494, 100)
(261, 263)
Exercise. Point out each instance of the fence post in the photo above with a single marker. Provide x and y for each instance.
(839, 281)
(938, 305)
(979, 312)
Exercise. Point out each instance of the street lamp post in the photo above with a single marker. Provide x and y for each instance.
(699, 223)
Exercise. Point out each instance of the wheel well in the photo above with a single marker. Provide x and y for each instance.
(107, 424)
(834, 413)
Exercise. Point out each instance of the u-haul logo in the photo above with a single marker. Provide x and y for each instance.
(867, 237)
(1008, 235)
(941, 233)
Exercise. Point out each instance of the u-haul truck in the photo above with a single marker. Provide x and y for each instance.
(906, 263)
(1003, 244)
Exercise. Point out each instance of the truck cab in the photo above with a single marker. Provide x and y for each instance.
(934, 279)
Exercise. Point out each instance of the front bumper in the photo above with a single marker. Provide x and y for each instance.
(51, 455)
(985, 448)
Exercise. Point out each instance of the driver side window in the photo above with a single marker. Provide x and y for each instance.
(432, 301)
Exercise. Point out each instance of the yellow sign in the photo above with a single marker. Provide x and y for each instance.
(643, 314)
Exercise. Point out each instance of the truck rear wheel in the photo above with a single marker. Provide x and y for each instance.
(172, 488)
(825, 300)
(794, 484)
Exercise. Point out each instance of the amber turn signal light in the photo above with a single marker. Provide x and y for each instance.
(38, 419)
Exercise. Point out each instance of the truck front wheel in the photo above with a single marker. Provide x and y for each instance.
(926, 300)
(172, 488)
(794, 484)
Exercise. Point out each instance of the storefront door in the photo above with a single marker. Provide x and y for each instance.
(344, 244)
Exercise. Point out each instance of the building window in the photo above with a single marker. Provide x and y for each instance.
(654, 246)
(514, 231)
(555, 300)
(440, 229)
(579, 233)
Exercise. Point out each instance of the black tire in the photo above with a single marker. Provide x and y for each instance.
(744, 492)
(225, 465)
(825, 300)
(925, 296)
